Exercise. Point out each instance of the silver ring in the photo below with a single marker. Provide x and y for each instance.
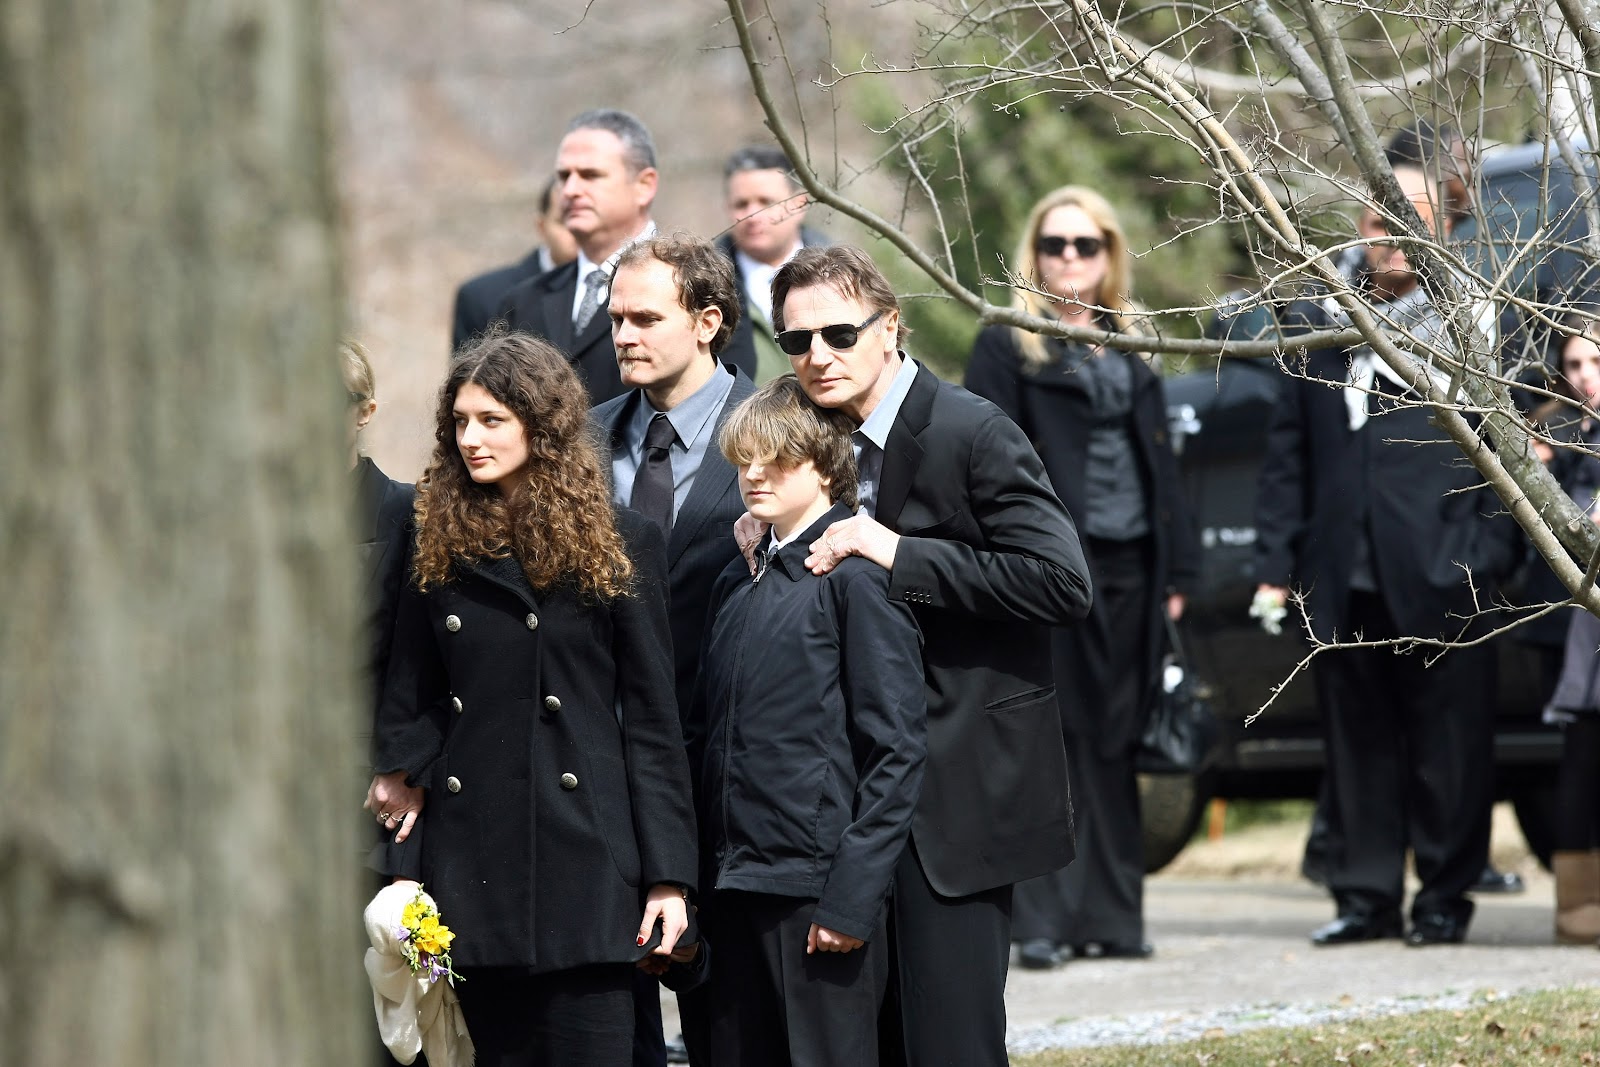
(385, 817)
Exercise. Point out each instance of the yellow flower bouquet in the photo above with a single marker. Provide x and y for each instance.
(425, 941)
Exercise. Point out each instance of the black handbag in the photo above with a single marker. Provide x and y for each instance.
(1182, 734)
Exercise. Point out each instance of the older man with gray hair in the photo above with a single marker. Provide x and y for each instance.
(606, 178)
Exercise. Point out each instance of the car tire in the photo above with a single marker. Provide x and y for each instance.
(1536, 807)
(1170, 807)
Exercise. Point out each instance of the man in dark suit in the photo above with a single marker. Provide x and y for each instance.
(478, 297)
(606, 177)
(1372, 511)
(673, 306)
(766, 216)
(956, 505)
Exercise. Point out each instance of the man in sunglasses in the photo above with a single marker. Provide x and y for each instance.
(956, 505)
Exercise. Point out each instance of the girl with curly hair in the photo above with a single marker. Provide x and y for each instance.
(530, 707)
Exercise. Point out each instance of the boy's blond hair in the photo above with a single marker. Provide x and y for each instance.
(779, 424)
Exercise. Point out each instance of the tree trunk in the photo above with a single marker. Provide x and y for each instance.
(178, 872)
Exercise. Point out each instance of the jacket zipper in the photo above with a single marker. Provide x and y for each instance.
(762, 559)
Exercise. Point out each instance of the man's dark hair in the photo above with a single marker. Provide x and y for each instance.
(1441, 153)
(704, 277)
(760, 157)
(547, 196)
(638, 147)
(849, 270)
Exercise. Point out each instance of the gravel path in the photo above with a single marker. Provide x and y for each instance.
(1232, 954)
(1154, 1028)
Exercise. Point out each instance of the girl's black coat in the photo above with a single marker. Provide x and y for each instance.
(1053, 409)
(544, 727)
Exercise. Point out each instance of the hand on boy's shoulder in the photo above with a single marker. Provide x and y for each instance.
(859, 535)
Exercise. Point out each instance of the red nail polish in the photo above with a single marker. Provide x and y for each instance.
(641, 940)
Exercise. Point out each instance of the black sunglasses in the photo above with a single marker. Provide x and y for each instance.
(841, 337)
(1086, 247)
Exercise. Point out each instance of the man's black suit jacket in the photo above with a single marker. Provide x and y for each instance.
(1398, 477)
(989, 560)
(479, 297)
(542, 306)
(702, 542)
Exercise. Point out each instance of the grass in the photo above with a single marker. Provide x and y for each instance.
(1242, 814)
(1552, 1027)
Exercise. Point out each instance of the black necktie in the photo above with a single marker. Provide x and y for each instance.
(652, 486)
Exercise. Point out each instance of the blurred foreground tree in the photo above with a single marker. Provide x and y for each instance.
(177, 723)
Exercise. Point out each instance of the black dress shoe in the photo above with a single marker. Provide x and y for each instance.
(1037, 954)
(1493, 881)
(1111, 950)
(1437, 928)
(1348, 929)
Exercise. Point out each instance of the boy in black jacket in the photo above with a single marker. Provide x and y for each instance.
(807, 752)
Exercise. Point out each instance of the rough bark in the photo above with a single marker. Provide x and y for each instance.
(177, 726)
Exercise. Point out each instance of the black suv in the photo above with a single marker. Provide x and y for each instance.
(1218, 418)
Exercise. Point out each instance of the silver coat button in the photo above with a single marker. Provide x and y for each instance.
(453, 784)
(569, 781)
(456, 703)
(533, 621)
(452, 623)
(553, 703)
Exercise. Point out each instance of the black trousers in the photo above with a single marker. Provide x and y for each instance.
(1099, 896)
(946, 1005)
(1578, 786)
(1411, 756)
(582, 1017)
(649, 1043)
(694, 1016)
(773, 1004)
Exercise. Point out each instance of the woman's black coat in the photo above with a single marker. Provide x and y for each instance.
(1053, 409)
(544, 727)
(383, 525)
(383, 539)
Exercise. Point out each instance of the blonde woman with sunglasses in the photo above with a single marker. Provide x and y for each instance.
(1097, 416)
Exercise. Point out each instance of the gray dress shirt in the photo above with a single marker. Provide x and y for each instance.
(872, 436)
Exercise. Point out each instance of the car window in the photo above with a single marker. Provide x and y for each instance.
(1513, 210)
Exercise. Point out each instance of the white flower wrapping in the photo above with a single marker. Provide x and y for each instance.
(1270, 610)
(414, 1013)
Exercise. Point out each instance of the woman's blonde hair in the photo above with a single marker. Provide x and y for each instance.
(1115, 294)
(357, 369)
(779, 424)
(557, 518)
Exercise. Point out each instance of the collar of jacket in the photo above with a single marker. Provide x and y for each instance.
(790, 560)
(505, 572)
